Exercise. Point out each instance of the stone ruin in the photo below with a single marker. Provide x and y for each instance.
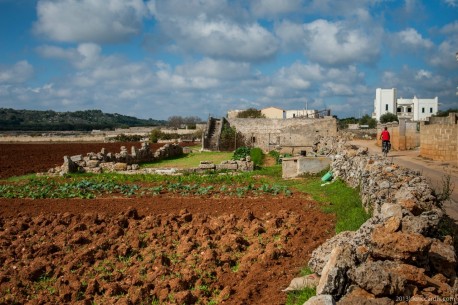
(399, 254)
(108, 162)
(129, 163)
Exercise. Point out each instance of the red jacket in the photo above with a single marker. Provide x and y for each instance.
(385, 135)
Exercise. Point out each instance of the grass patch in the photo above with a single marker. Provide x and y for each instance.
(191, 160)
(337, 198)
(300, 297)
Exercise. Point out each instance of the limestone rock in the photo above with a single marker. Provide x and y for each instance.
(69, 166)
(120, 166)
(324, 299)
(408, 247)
(299, 283)
(321, 254)
(358, 296)
(382, 278)
(443, 258)
(334, 279)
(426, 223)
(92, 163)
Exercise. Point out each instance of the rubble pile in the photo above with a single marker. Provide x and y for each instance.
(129, 163)
(399, 254)
(108, 162)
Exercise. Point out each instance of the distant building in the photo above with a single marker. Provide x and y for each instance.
(414, 109)
(273, 113)
(303, 113)
(278, 113)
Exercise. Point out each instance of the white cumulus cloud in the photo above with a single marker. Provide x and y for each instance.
(411, 38)
(17, 73)
(83, 56)
(222, 38)
(331, 43)
(99, 21)
(274, 8)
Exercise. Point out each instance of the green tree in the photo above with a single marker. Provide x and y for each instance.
(388, 117)
(343, 123)
(250, 113)
(228, 141)
(367, 120)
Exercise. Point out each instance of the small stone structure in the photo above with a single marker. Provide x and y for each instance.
(396, 255)
(296, 166)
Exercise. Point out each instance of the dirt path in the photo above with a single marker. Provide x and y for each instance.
(435, 171)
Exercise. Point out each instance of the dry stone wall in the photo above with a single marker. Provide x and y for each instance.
(128, 163)
(398, 254)
(104, 161)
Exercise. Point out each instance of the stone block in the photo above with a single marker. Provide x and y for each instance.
(77, 158)
(209, 166)
(120, 166)
(227, 166)
(92, 163)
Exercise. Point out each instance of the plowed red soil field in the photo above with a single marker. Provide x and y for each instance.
(163, 249)
(20, 159)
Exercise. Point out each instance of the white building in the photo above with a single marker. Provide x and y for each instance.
(414, 109)
(302, 113)
(417, 109)
(385, 101)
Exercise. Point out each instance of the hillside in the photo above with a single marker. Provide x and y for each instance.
(34, 120)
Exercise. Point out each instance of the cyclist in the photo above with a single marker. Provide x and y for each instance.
(385, 136)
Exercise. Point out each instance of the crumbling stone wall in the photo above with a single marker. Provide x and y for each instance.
(285, 135)
(123, 161)
(439, 139)
(107, 161)
(396, 255)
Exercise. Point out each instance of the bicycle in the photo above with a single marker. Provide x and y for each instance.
(386, 145)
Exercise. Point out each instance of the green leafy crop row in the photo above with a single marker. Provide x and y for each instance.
(39, 188)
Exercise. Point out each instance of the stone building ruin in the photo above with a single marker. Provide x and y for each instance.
(291, 136)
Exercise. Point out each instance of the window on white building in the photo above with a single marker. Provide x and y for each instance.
(409, 109)
(430, 110)
(399, 109)
(386, 107)
(423, 110)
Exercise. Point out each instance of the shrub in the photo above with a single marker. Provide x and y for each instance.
(241, 152)
(127, 138)
(251, 113)
(257, 156)
(275, 154)
(388, 117)
(228, 141)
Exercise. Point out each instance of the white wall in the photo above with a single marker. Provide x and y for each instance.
(385, 101)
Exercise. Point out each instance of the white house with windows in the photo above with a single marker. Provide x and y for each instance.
(414, 109)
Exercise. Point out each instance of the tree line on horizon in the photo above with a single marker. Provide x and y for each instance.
(85, 120)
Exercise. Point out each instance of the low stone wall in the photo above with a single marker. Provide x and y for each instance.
(107, 162)
(128, 163)
(398, 254)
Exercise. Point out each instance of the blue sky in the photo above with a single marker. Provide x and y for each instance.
(158, 58)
